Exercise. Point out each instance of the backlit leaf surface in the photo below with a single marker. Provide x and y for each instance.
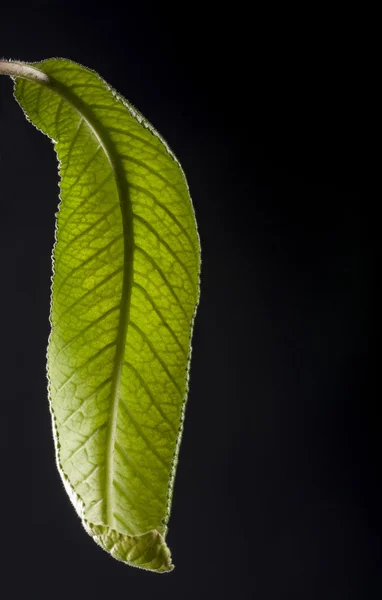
(124, 293)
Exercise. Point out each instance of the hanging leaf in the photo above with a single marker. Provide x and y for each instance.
(124, 293)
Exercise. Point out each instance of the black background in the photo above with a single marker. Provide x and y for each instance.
(278, 489)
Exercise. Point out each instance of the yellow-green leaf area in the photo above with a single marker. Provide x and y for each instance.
(124, 293)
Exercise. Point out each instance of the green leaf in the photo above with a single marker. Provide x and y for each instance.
(124, 293)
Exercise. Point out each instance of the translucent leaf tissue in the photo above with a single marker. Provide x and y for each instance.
(125, 289)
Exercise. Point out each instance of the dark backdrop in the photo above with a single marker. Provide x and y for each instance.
(278, 489)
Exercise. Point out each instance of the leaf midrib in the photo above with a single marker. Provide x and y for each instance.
(116, 165)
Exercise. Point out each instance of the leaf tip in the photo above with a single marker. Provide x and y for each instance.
(147, 551)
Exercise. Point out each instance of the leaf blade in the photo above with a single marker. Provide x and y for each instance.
(124, 295)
